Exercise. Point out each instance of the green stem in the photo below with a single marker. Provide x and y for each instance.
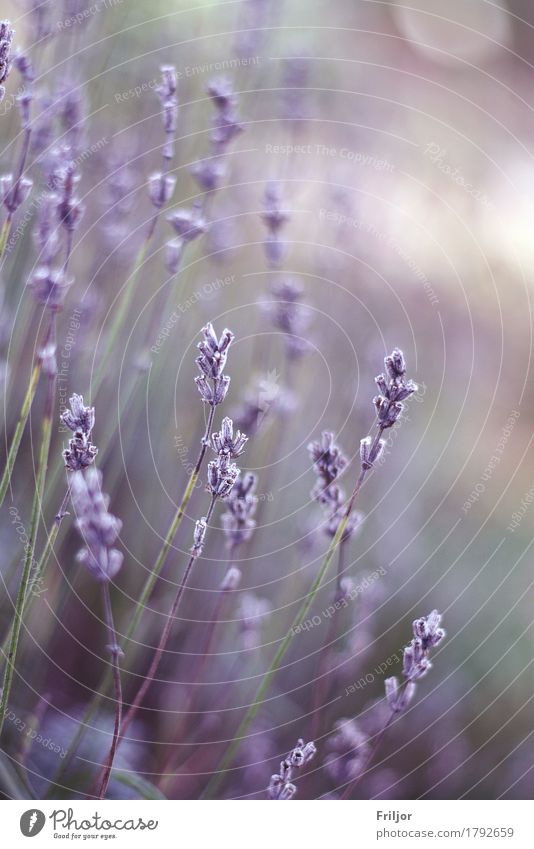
(28, 562)
(4, 234)
(149, 677)
(115, 656)
(19, 430)
(41, 566)
(228, 757)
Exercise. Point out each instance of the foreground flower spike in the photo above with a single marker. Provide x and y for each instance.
(393, 391)
(280, 786)
(6, 38)
(98, 528)
(428, 633)
(81, 420)
(212, 360)
(416, 663)
(225, 443)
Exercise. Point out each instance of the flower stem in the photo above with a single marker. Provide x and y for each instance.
(46, 434)
(19, 430)
(141, 693)
(115, 655)
(41, 566)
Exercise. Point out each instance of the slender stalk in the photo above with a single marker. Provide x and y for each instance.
(199, 671)
(228, 757)
(41, 566)
(141, 693)
(46, 434)
(19, 430)
(321, 686)
(4, 234)
(115, 655)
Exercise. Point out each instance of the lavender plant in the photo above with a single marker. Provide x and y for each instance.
(416, 663)
(281, 785)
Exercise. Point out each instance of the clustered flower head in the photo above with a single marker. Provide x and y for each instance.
(98, 528)
(328, 463)
(211, 362)
(6, 37)
(80, 420)
(280, 785)
(238, 522)
(394, 389)
(427, 634)
(222, 472)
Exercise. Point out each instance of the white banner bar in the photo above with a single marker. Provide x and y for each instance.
(254, 824)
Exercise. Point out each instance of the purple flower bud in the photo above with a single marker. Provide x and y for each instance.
(160, 188)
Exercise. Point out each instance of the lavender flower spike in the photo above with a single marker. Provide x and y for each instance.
(281, 786)
(416, 663)
(224, 442)
(79, 417)
(98, 528)
(393, 391)
(6, 37)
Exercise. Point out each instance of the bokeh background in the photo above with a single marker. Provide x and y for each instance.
(401, 138)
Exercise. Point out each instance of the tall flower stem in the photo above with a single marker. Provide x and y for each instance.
(228, 757)
(41, 565)
(19, 430)
(46, 434)
(321, 685)
(198, 674)
(141, 693)
(115, 656)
